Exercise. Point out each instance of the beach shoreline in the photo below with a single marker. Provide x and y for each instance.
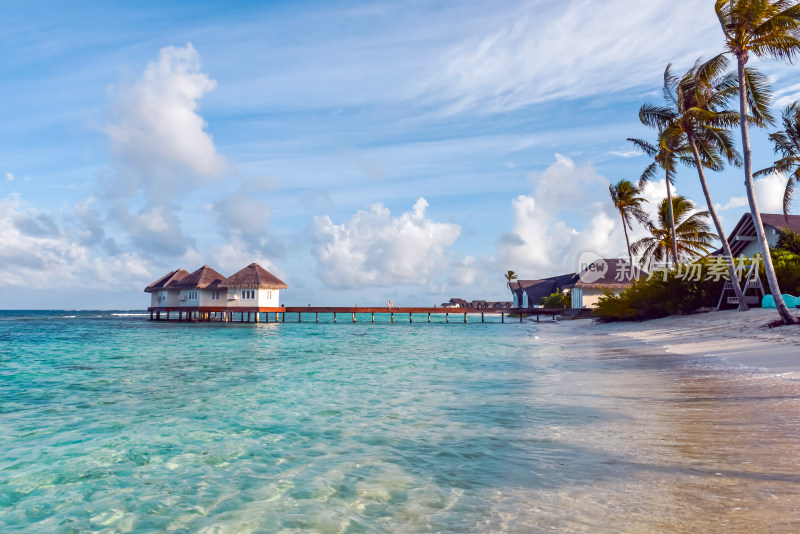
(739, 338)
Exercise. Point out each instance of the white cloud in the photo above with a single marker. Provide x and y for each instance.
(734, 202)
(10, 176)
(156, 134)
(541, 242)
(464, 273)
(544, 51)
(769, 193)
(626, 153)
(373, 248)
(244, 216)
(786, 96)
(38, 254)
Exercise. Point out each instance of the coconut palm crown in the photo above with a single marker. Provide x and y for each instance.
(665, 154)
(692, 231)
(695, 114)
(627, 201)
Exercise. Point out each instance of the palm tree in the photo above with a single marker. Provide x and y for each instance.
(694, 115)
(787, 144)
(627, 201)
(665, 155)
(509, 276)
(692, 231)
(763, 28)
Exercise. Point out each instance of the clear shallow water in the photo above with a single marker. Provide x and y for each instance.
(115, 423)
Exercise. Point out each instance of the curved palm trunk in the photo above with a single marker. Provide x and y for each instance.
(772, 278)
(725, 245)
(672, 222)
(627, 240)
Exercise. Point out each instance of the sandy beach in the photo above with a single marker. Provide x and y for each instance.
(739, 338)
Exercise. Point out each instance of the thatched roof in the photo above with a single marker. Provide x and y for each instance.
(256, 276)
(203, 278)
(167, 279)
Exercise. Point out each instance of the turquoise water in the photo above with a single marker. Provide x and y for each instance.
(113, 423)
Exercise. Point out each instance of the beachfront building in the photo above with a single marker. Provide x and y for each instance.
(163, 292)
(201, 288)
(529, 293)
(614, 275)
(743, 237)
(253, 286)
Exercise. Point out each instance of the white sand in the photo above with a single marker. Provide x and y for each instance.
(739, 337)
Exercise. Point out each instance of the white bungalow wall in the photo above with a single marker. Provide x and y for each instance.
(264, 298)
(205, 297)
(165, 298)
(590, 296)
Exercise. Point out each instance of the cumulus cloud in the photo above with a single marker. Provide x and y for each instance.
(160, 151)
(157, 137)
(154, 229)
(39, 253)
(374, 248)
(769, 193)
(464, 272)
(541, 242)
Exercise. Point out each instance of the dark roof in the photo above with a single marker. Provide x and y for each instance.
(746, 228)
(254, 276)
(612, 273)
(780, 222)
(538, 289)
(169, 278)
(203, 278)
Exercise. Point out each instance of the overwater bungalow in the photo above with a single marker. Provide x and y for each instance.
(201, 289)
(163, 292)
(206, 290)
(253, 286)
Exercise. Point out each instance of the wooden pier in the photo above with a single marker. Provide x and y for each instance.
(311, 313)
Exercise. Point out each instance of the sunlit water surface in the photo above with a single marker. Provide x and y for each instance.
(110, 422)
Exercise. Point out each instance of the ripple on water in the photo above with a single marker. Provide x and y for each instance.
(120, 424)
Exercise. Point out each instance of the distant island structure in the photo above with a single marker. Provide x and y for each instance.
(476, 304)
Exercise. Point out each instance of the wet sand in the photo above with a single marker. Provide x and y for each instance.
(693, 442)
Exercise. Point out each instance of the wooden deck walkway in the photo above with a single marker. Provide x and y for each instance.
(254, 315)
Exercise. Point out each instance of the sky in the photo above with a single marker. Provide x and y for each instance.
(360, 151)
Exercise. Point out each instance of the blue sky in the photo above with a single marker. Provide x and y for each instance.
(359, 150)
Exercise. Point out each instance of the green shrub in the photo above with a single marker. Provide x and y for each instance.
(660, 296)
(556, 300)
(787, 269)
(788, 241)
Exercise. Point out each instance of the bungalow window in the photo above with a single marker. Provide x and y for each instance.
(215, 295)
(249, 294)
(192, 295)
